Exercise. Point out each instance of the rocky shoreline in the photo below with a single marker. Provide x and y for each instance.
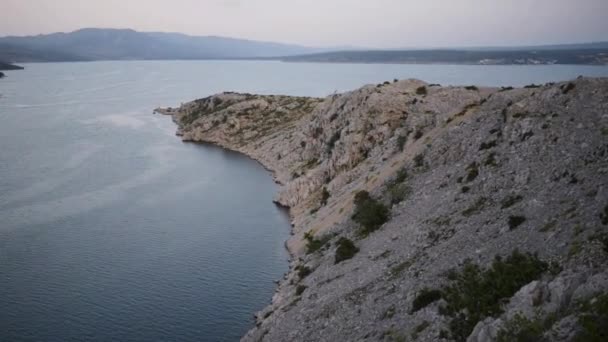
(397, 190)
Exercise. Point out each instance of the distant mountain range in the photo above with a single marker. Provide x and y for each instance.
(124, 44)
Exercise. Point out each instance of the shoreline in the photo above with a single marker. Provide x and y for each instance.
(272, 172)
(407, 144)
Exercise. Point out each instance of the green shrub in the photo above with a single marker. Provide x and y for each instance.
(419, 328)
(369, 213)
(419, 160)
(521, 329)
(421, 90)
(471, 88)
(531, 86)
(401, 140)
(313, 245)
(474, 294)
(303, 271)
(346, 250)
(398, 192)
(472, 172)
(402, 176)
(516, 221)
(594, 321)
(324, 196)
(488, 145)
(475, 208)
(300, 289)
(424, 298)
(604, 215)
(332, 141)
(510, 201)
(568, 87)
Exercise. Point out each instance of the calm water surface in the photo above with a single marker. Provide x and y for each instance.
(111, 228)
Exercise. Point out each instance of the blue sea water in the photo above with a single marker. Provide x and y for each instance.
(112, 229)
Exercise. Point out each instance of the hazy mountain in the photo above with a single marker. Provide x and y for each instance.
(126, 44)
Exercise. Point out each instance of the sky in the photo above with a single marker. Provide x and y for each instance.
(324, 23)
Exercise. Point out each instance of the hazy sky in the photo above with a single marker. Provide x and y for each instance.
(371, 23)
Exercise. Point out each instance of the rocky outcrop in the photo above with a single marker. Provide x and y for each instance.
(466, 174)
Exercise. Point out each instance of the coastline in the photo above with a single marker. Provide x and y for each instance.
(414, 140)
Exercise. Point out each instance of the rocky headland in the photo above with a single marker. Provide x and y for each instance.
(430, 213)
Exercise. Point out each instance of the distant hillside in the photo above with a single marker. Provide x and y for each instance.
(125, 44)
(7, 66)
(542, 55)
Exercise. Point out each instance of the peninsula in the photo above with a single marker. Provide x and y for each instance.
(430, 213)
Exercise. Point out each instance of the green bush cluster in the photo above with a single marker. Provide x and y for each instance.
(474, 294)
(594, 321)
(303, 271)
(424, 298)
(369, 213)
(346, 250)
(397, 190)
(300, 289)
(313, 244)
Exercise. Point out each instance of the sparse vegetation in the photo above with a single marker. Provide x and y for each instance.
(575, 248)
(401, 140)
(532, 86)
(398, 192)
(369, 213)
(510, 201)
(421, 90)
(300, 289)
(313, 244)
(389, 313)
(471, 88)
(332, 142)
(419, 160)
(475, 208)
(346, 250)
(491, 160)
(303, 271)
(324, 196)
(472, 172)
(567, 88)
(593, 319)
(516, 221)
(474, 294)
(521, 329)
(488, 145)
(419, 328)
(548, 226)
(604, 216)
(425, 298)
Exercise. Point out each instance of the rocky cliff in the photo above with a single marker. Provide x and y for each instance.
(423, 212)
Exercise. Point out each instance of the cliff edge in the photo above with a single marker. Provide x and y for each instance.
(430, 213)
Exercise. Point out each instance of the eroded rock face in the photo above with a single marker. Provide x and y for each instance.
(487, 171)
